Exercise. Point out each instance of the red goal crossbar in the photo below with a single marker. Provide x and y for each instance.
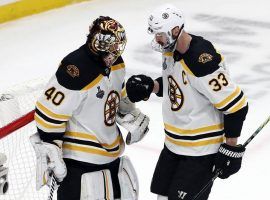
(17, 124)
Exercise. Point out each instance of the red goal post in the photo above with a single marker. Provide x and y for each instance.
(17, 124)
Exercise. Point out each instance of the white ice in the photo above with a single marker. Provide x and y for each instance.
(33, 47)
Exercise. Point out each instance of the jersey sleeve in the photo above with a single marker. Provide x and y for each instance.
(227, 97)
(160, 83)
(54, 108)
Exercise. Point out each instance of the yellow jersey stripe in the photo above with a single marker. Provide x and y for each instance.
(93, 83)
(47, 125)
(114, 144)
(119, 66)
(186, 67)
(81, 135)
(90, 150)
(238, 106)
(88, 136)
(168, 54)
(196, 144)
(228, 99)
(216, 127)
(124, 92)
(51, 114)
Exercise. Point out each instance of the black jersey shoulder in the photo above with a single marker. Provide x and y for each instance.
(201, 58)
(119, 61)
(78, 69)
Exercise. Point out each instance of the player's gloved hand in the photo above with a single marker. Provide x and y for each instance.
(229, 159)
(136, 123)
(139, 87)
(49, 161)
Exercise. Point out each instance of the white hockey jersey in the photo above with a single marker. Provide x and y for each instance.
(79, 106)
(197, 92)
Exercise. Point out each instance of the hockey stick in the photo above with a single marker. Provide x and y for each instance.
(220, 171)
(53, 187)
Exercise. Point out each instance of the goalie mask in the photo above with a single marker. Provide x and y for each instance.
(107, 38)
(161, 23)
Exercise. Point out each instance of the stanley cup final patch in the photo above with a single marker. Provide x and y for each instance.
(100, 93)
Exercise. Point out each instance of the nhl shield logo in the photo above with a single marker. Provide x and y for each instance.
(100, 93)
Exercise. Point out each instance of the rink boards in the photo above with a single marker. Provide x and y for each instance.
(14, 9)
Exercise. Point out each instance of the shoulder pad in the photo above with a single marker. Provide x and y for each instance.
(119, 61)
(77, 70)
(202, 58)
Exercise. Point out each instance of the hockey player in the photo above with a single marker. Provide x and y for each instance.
(79, 108)
(203, 109)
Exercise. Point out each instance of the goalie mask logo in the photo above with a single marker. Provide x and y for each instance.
(110, 108)
(175, 94)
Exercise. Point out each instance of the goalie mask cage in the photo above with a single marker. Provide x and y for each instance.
(16, 125)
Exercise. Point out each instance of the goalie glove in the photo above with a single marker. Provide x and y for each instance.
(49, 162)
(136, 123)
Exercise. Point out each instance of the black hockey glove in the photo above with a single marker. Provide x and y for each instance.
(229, 159)
(139, 87)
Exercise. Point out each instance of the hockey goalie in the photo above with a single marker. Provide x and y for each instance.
(78, 139)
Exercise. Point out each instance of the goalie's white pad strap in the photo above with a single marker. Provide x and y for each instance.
(97, 186)
(128, 180)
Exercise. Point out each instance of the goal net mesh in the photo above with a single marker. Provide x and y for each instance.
(21, 160)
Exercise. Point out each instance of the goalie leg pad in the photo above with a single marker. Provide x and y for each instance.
(128, 180)
(97, 186)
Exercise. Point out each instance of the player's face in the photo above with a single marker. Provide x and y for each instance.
(161, 39)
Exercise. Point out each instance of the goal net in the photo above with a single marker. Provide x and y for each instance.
(17, 103)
